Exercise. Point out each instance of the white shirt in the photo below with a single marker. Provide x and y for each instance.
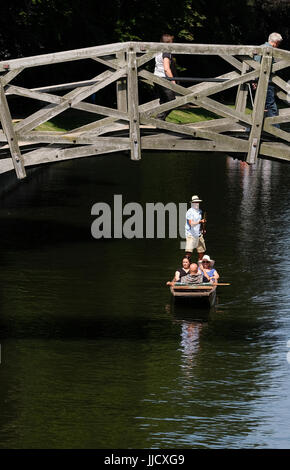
(159, 67)
(195, 215)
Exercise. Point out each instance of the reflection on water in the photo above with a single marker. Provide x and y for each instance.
(191, 321)
(190, 336)
(91, 358)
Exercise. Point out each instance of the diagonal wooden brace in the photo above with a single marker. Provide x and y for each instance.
(9, 131)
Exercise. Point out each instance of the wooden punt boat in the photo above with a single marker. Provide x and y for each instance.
(200, 293)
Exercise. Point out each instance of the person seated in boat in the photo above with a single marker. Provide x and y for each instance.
(206, 268)
(180, 272)
(193, 277)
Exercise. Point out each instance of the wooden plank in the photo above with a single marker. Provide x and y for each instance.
(147, 106)
(80, 139)
(133, 101)
(194, 97)
(254, 64)
(114, 127)
(181, 90)
(80, 94)
(122, 104)
(223, 110)
(233, 61)
(206, 89)
(284, 116)
(281, 54)
(275, 131)
(61, 86)
(96, 126)
(198, 133)
(36, 95)
(145, 58)
(163, 82)
(105, 111)
(219, 125)
(69, 100)
(283, 96)
(10, 75)
(285, 86)
(242, 93)
(193, 288)
(280, 65)
(58, 154)
(65, 56)
(6, 164)
(89, 107)
(9, 131)
(25, 124)
(277, 151)
(259, 106)
(110, 62)
(140, 47)
(244, 78)
(3, 137)
(186, 145)
(121, 86)
(207, 49)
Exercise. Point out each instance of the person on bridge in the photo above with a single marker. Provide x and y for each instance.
(271, 108)
(193, 229)
(165, 68)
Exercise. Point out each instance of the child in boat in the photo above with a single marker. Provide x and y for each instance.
(206, 268)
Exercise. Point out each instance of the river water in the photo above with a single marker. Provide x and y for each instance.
(94, 353)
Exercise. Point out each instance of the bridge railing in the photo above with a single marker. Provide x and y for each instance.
(133, 126)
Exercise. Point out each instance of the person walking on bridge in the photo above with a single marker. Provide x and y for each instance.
(165, 68)
(271, 108)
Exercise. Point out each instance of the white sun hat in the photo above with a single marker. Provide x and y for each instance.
(207, 258)
(195, 199)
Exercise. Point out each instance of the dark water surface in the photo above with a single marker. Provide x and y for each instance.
(93, 352)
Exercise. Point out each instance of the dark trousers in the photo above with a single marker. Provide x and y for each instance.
(164, 95)
(271, 106)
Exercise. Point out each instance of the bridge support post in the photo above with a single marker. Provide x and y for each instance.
(242, 94)
(8, 130)
(133, 100)
(259, 107)
(121, 86)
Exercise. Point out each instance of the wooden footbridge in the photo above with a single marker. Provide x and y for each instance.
(134, 127)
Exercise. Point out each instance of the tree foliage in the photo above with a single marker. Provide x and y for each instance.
(30, 27)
